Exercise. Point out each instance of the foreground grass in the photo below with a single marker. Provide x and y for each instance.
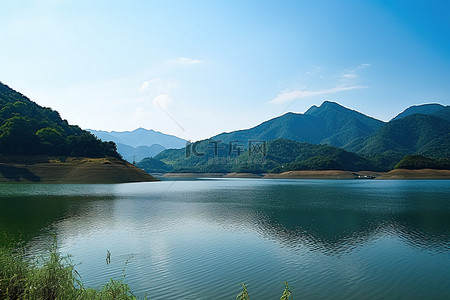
(54, 278)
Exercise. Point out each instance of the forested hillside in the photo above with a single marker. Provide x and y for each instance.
(29, 129)
(330, 123)
(415, 134)
(279, 155)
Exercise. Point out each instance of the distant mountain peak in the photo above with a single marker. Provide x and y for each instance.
(331, 123)
(330, 103)
(334, 105)
(143, 129)
(327, 104)
(311, 110)
(141, 137)
(425, 109)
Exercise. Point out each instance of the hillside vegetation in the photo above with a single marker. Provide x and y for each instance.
(416, 162)
(279, 155)
(415, 134)
(424, 109)
(330, 124)
(306, 143)
(29, 129)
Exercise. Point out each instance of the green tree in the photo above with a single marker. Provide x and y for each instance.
(17, 136)
(52, 141)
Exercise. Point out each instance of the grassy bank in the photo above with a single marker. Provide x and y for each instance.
(53, 277)
(63, 169)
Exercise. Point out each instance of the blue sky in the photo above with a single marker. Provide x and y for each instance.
(198, 68)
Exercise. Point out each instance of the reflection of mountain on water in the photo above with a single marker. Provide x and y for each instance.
(336, 220)
(333, 217)
(334, 232)
(329, 232)
(24, 218)
(426, 231)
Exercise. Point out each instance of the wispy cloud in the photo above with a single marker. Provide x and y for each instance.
(299, 94)
(347, 80)
(144, 86)
(186, 61)
(349, 76)
(162, 101)
(353, 74)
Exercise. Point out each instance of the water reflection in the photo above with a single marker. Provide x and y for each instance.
(330, 239)
(332, 218)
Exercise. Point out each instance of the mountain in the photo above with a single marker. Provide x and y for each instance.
(415, 134)
(417, 162)
(140, 137)
(152, 165)
(140, 143)
(343, 125)
(36, 145)
(375, 145)
(443, 113)
(137, 154)
(279, 155)
(29, 129)
(425, 109)
(329, 123)
(418, 130)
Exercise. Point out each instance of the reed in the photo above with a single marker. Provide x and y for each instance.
(287, 294)
(53, 277)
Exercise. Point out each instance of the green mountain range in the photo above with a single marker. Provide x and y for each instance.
(329, 136)
(274, 156)
(308, 142)
(29, 129)
(330, 124)
(415, 134)
(424, 109)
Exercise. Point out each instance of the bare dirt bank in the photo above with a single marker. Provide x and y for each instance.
(326, 174)
(416, 174)
(69, 170)
(194, 175)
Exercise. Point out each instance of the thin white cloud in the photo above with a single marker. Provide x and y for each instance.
(352, 74)
(186, 61)
(144, 86)
(349, 76)
(294, 95)
(156, 86)
(162, 101)
(347, 80)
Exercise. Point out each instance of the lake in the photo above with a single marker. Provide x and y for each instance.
(198, 239)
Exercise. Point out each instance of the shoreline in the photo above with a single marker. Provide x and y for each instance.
(45, 169)
(416, 174)
(323, 174)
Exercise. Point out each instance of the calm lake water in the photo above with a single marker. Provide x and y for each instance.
(330, 239)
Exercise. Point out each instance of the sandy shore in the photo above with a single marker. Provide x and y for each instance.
(326, 174)
(243, 175)
(194, 175)
(70, 170)
(416, 174)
